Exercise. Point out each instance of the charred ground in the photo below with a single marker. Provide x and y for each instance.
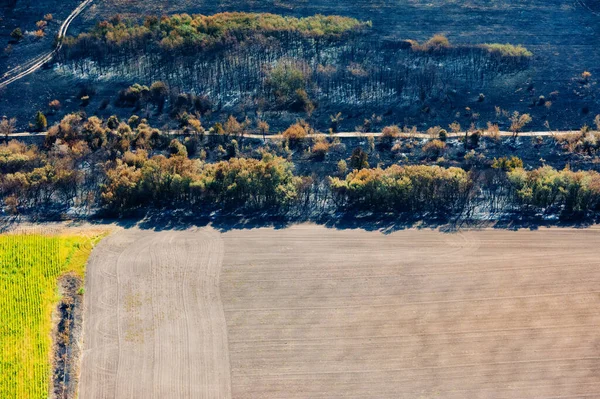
(560, 34)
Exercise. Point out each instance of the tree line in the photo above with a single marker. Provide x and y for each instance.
(115, 167)
(185, 33)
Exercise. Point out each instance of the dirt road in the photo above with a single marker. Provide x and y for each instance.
(311, 312)
(17, 136)
(154, 324)
(36, 63)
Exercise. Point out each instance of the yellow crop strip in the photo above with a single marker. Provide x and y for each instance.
(30, 265)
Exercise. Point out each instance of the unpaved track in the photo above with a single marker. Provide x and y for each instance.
(318, 313)
(154, 324)
(36, 63)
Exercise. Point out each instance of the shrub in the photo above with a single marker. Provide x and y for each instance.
(342, 167)
(507, 164)
(177, 149)
(473, 140)
(54, 105)
(390, 132)
(434, 149)
(493, 131)
(359, 159)
(518, 122)
(508, 50)
(200, 32)
(443, 135)
(40, 121)
(112, 122)
(135, 95)
(436, 43)
(159, 93)
(16, 34)
(296, 134)
(288, 83)
(320, 150)
(546, 189)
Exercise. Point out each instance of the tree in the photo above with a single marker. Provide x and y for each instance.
(7, 127)
(40, 121)
(335, 121)
(455, 127)
(359, 159)
(434, 149)
(518, 122)
(232, 127)
(263, 127)
(296, 134)
(389, 134)
(17, 34)
(158, 94)
(177, 149)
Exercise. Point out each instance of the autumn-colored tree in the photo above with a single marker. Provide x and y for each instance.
(296, 134)
(518, 122)
(7, 127)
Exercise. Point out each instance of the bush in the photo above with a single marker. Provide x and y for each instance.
(320, 150)
(508, 50)
(473, 140)
(507, 164)
(359, 159)
(184, 32)
(40, 121)
(135, 95)
(16, 34)
(296, 134)
(288, 83)
(443, 135)
(436, 43)
(177, 149)
(546, 189)
(390, 133)
(434, 149)
(54, 105)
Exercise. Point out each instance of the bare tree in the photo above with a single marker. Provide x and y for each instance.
(518, 122)
(7, 127)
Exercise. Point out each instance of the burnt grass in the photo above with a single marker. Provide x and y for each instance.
(67, 335)
(562, 35)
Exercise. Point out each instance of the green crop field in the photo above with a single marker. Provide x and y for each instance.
(30, 265)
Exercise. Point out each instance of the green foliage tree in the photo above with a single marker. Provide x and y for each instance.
(359, 159)
(403, 189)
(16, 34)
(40, 121)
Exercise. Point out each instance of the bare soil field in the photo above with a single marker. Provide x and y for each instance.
(311, 312)
(154, 325)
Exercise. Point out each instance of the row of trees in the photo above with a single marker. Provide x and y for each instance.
(201, 32)
(119, 166)
(177, 181)
(419, 189)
